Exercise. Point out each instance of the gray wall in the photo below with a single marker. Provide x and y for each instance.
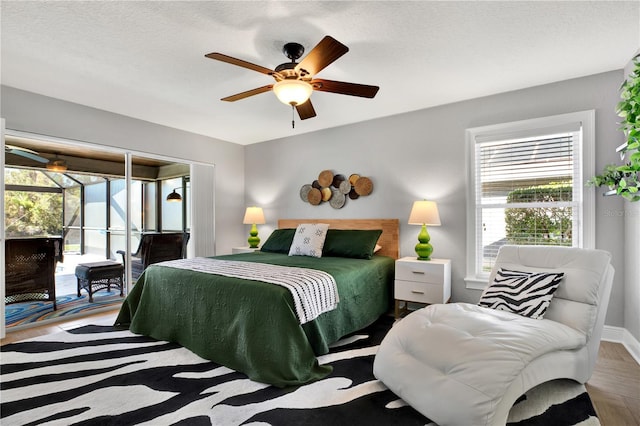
(422, 155)
(631, 214)
(632, 269)
(30, 112)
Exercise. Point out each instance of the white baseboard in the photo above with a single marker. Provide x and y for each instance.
(621, 335)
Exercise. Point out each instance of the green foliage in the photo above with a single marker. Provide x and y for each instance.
(30, 213)
(625, 179)
(610, 177)
(540, 225)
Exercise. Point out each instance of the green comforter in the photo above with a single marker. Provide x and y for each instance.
(251, 326)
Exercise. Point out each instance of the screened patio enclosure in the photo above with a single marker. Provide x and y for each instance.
(89, 211)
(79, 194)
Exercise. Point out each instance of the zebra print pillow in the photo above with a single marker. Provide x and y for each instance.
(523, 293)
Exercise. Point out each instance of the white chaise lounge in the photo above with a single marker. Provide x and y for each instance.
(464, 364)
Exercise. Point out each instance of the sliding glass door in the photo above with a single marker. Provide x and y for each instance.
(86, 200)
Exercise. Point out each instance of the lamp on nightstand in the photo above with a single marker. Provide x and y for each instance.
(424, 213)
(253, 216)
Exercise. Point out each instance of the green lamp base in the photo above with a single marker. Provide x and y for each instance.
(423, 248)
(253, 240)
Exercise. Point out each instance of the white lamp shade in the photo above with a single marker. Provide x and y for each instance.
(292, 92)
(253, 215)
(424, 213)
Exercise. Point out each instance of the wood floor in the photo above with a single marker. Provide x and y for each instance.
(614, 387)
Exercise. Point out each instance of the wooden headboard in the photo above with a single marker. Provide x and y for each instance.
(389, 239)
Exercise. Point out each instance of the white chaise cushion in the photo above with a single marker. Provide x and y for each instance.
(575, 303)
(454, 362)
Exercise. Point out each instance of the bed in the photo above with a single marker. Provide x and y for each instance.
(251, 326)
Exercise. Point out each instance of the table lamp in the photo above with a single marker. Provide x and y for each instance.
(253, 216)
(424, 213)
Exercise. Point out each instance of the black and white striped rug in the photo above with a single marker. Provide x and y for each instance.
(97, 375)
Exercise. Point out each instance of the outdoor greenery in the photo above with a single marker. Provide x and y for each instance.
(30, 213)
(625, 179)
(543, 225)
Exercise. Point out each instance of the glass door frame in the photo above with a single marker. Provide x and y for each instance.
(127, 156)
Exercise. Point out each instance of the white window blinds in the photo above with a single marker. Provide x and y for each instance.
(508, 165)
(526, 186)
(525, 193)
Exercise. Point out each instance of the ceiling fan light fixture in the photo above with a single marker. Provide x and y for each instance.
(292, 91)
(57, 166)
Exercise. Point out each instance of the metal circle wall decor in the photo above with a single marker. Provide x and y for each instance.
(325, 178)
(304, 192)
(337, 180)
(363, 186)
(335, 189)
(314, 197)
(326, 193)
(338, 199)
(345, 187)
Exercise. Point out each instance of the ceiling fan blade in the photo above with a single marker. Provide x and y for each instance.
(343, 88)
(248, 93)
(25, 152)
(306, 110)
(325, 52)
(239, 62)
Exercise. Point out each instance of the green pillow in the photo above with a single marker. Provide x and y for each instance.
(279, 241)
(355, 243)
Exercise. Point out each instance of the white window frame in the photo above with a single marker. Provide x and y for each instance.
(475, 279)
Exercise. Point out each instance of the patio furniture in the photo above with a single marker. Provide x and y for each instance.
(30, 267)
(156, 247)
(98, 276)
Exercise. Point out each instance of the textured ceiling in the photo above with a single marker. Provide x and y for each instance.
(145, 59)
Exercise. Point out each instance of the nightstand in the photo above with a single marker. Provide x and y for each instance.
(236, 250)
(421, 281)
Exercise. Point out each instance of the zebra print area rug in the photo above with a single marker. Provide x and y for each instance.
(97, 375)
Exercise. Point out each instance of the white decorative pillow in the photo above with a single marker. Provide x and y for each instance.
(523, 293)
(309, 239)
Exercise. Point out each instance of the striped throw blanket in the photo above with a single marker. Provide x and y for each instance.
(314, 292)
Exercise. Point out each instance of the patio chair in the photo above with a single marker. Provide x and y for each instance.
(154, 248)
(30, 267)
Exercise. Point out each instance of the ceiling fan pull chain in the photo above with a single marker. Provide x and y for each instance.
(293, 117)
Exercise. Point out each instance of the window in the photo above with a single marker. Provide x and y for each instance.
(526, 187)
(173, 217)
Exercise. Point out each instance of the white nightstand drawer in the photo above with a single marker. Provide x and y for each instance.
(419, 292)
(422, 271)
(237, 250)
(421, 282)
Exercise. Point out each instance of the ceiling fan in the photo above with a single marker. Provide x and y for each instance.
(295, 81)
(25, 152)
(56, 165)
